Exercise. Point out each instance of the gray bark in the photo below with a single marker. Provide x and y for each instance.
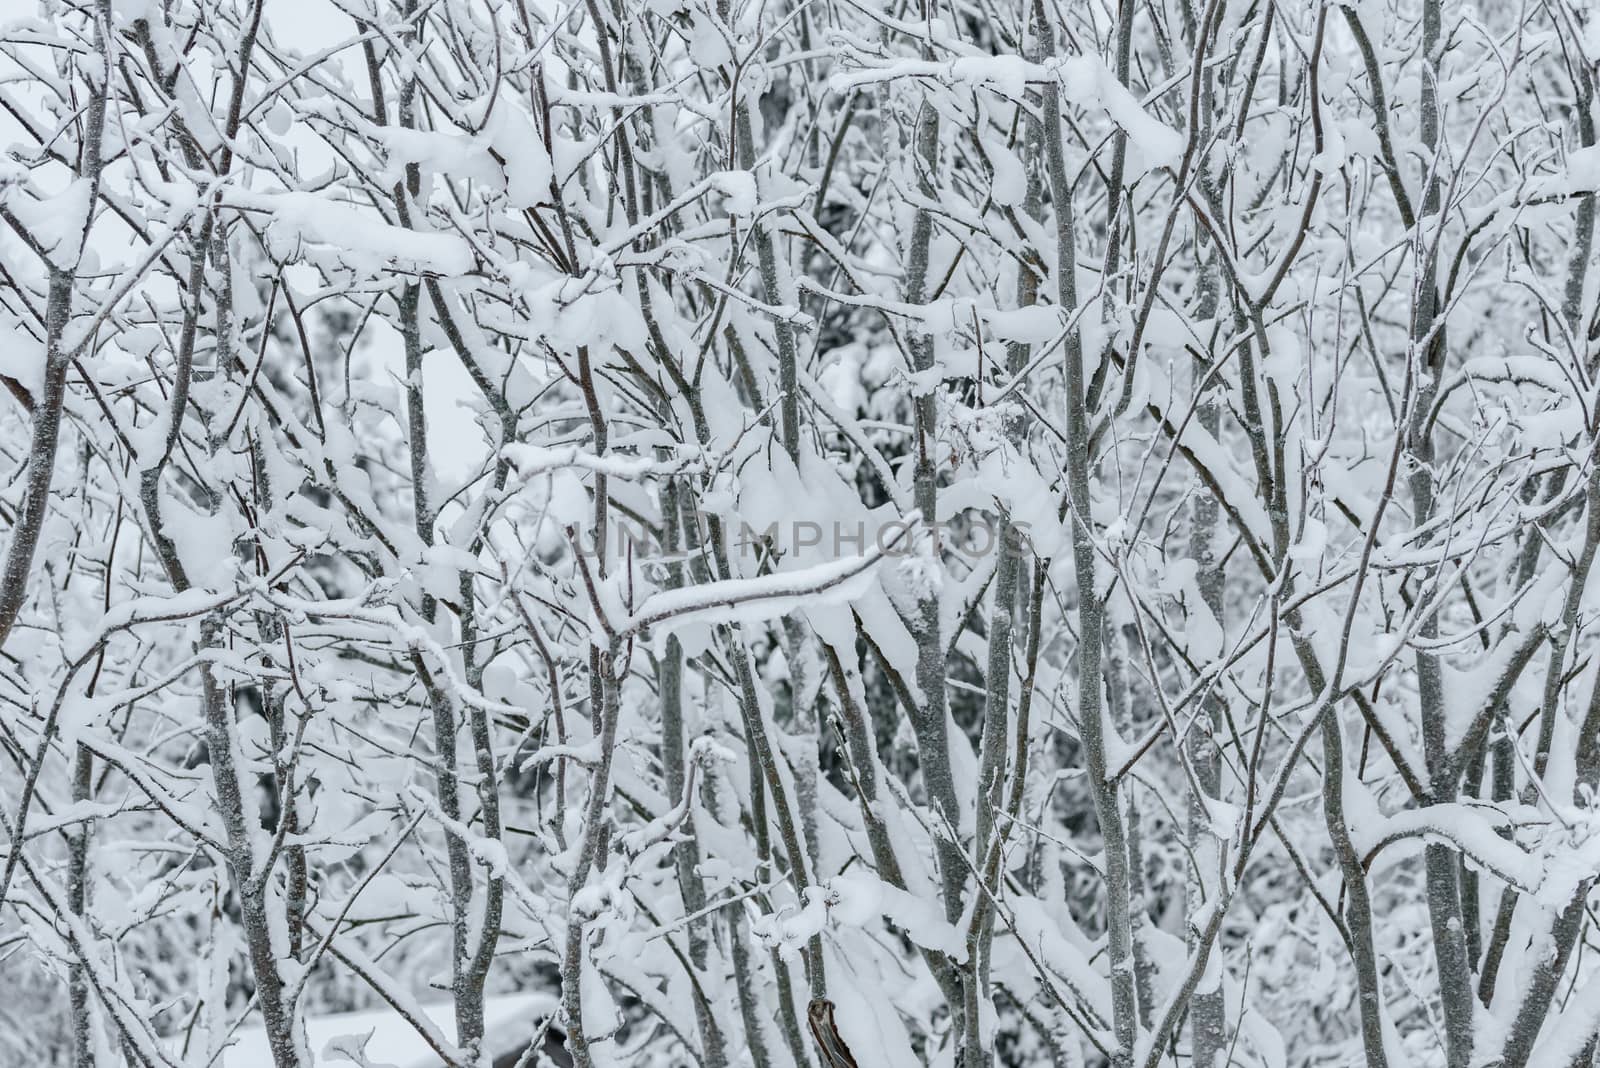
(1091, 614)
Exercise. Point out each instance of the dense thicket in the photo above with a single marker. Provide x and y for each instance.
(933, 533)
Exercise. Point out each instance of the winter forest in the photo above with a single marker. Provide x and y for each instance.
(799, 533)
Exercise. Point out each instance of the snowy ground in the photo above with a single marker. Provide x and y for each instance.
(390, 1041)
